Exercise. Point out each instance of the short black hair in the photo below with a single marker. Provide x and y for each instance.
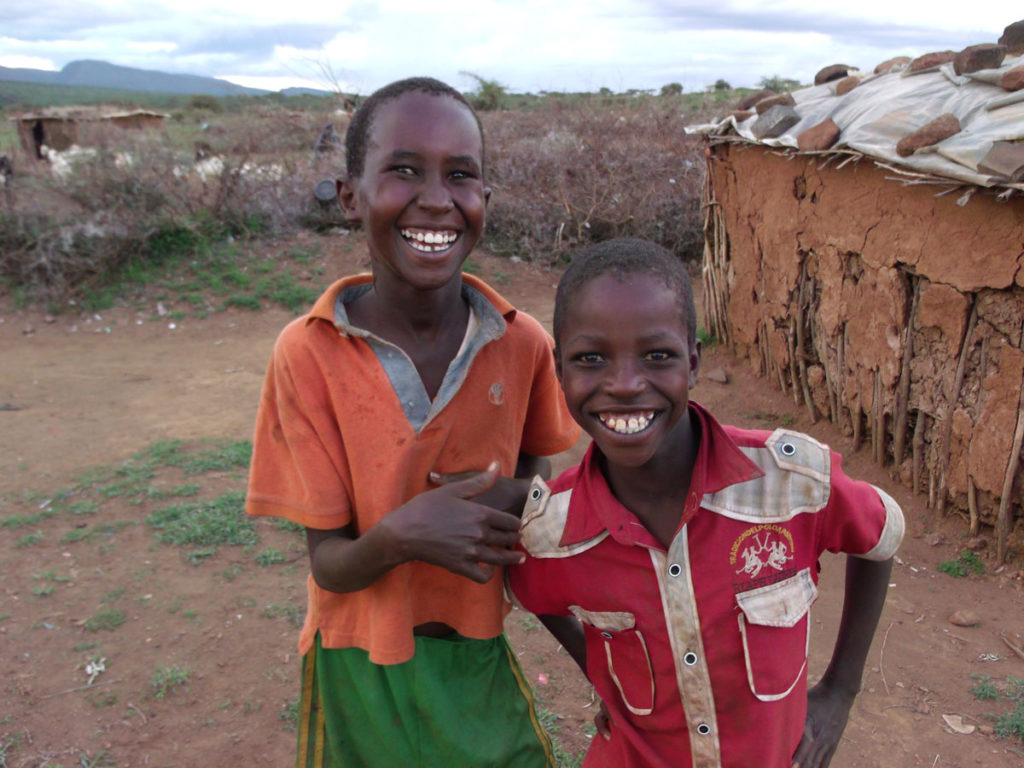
(358, 131)
(622, 257)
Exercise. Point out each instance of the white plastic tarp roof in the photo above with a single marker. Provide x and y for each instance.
(883, 109)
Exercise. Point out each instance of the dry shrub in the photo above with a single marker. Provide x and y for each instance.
(136, 197)
(578, 170)
(566, 170)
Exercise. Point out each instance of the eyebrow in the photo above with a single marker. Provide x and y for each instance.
(407, 154)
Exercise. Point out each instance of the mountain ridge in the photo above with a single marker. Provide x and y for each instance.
(103, 74)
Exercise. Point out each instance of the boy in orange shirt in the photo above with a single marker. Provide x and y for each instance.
(417, 369)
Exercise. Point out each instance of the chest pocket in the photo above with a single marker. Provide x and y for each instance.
(773, 622)
(613, 637)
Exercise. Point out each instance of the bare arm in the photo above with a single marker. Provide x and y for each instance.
(829, 702)
(445, 526)
(569, 632)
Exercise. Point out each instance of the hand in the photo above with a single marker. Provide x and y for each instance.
(506, 495)
(827, 713)
(451, 528)
(603, 723)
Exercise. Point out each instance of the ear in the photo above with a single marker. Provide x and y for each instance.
(347, 200)
(695, 352)
(487, 196)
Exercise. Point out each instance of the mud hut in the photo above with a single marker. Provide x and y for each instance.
(60, 127)
(864, 250)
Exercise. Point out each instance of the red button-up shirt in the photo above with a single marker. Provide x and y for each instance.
(700, 652)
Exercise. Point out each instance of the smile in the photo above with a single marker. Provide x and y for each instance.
(627, 423)
(430, 241)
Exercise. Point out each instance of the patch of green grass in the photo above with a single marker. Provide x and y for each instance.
(206, 522)
(243, 302)
(29, 540)
(82, 507)
(166, 680)
(563, 758)
(113, 595)
(234, 455)
(102, 759)
(44, 590)
(984, 689)
(708, 340)
(295, 614)
(269, 556)
(284, 290)
(287, 525)
(289, 714)
(962, 566)
(108, 619)
(177, 492)
(20, 521)
(231, 572)
(75, 534)
(200, 555)
(1011, 724)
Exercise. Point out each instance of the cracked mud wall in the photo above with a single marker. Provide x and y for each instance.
(896, 313)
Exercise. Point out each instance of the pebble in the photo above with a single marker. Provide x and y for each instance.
(964, 618)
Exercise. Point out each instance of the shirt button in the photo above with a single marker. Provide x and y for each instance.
(606, 635)
(703, 729)
(689, 658)
(675, 569)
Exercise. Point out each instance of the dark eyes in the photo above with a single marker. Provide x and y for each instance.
(408, 170)
(595, 358)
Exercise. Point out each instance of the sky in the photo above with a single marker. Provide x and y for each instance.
(528, 46)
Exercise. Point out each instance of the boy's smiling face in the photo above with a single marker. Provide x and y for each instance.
(421, 196)
(626, 363)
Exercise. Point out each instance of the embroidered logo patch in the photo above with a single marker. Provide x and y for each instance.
(496, 394)
(760, 547)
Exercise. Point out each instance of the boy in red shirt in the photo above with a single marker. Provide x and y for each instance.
(415, 369)
(678, 562)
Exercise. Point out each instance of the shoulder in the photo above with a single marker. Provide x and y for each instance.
(797, 477)
(544, 519)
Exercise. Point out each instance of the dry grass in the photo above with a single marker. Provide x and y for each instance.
(567, 171)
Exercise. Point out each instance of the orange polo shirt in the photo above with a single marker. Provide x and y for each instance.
(334, 445)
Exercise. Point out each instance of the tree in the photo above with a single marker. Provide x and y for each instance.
(722, 85)
(671, 89)
(779, 84)
(489, 94)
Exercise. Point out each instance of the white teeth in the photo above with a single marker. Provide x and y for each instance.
(430, 242)
(628, 425)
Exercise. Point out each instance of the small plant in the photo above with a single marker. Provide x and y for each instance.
(984, 689)
(167, 679)
(294, 613)
(270, 556)
(962, 566)
(1011, 725)
(289, 714)
(108, 619)
(29, 540)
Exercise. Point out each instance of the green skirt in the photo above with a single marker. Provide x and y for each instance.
(457, 703)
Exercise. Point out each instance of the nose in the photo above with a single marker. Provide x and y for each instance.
(434, 194)
(624, 378)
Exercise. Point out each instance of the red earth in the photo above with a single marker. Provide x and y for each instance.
(199, 662)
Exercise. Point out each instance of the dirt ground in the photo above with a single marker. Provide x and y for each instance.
(83, 578)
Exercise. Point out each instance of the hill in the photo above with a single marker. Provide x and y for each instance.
(102, 74)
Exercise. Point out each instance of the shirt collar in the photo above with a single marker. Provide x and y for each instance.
(324, 308)
(594, 509)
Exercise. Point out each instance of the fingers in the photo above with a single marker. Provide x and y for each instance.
(603, 723)
(466, 485)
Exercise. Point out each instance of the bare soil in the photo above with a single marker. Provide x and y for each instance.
(79, 393)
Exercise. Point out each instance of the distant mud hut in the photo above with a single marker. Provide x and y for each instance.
(864, 250)
(60, 127)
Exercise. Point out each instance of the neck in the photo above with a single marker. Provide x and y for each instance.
(666, 477)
